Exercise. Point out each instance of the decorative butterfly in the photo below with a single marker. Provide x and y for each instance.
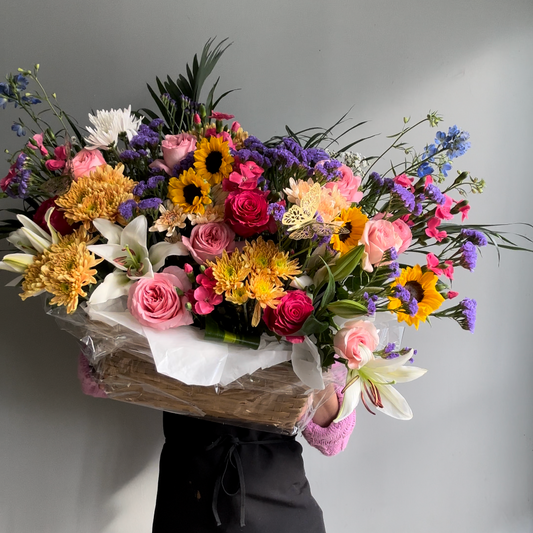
(301, 218)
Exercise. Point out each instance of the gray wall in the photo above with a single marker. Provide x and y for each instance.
(71, 464)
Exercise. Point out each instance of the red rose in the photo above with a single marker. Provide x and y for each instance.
(247, 213)
(58, 221)
(289, 316)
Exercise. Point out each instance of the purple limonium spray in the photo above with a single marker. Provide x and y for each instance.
(468, 256)
(126, 208)
(435, 194)
(277, 210)
(467, 320)
(476, 237)
(150, 203)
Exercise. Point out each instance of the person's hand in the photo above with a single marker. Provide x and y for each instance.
(329, 407)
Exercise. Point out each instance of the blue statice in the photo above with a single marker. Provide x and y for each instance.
(150, 203)
(468, 256)
(476, 237)
(467, 320)
(435, 194)
(126, 208)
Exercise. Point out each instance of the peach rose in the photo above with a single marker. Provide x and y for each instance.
(159, 302)
(347, 342)
(348, 185)
(378, 236)
(404, 232)
(86, 161)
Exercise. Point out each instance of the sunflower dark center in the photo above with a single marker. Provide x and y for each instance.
(190, 192)
(213, 162)
(415, 290)
(344, 236)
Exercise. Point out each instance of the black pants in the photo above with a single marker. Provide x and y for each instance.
(214, 473)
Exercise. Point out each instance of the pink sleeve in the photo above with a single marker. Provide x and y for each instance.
(333, 439)
(87, 382)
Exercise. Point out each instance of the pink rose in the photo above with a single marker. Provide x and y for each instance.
(247, 213)
(378, 236)
(175, 148)
(208, 241)
(159, 302)
(289, 316)
(347, 342)
(404, 232)
(348, 185)
(86, 161)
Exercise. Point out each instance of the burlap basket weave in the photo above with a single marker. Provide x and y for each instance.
(272, 399)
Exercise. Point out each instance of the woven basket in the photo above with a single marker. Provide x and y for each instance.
(271, 399)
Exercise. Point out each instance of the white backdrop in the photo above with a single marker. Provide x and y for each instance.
(72, 464)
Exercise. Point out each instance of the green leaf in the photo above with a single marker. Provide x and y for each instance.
(347, 308)
(312, 326)
(329, 293)
(347, 263)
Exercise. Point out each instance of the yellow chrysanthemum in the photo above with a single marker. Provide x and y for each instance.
(190, 192)
(354, 220)
(238, 138)
(229, 271)
(212, 213)
(212, 159)
(238, 296)
(266, 292)
(258, 255)
(97, 195)
(283, 267)
(63, 270)
(421, 286)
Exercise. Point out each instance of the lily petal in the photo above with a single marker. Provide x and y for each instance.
(32, 226)
(160, 251)
(389, 365)
(115, 285)
(404, 374)
(55, 235)
(110, 231)
(135, 232)
(110, 252)
(37, 241)
(16, 262)
(394, 404)
(351, 397)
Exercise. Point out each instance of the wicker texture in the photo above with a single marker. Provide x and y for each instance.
(272, 399)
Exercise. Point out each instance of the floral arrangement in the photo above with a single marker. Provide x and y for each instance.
(194, 222)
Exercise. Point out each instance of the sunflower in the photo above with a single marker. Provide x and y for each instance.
(212, 159)
(190, 192)
(421, 287)
(354, 220)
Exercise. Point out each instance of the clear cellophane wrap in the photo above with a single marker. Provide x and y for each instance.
(121, 363)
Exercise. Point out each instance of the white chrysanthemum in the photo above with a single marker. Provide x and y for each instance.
(108, 126)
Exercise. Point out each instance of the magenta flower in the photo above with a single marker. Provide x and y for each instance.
(431, 230)
(205, 300)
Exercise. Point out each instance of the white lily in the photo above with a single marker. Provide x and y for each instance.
(30, 239)
(127, 250)
(373, 383)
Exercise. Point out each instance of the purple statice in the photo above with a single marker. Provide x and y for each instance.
(400, 292)
(370, 303)
(150, 203)
(156, 124)
(476, 237)
(126, 208)
(129, 155)
(394, 268)
(412, 307)
(392, 253)
(154, 181)
(435, 194)
(468, 256)
(139, 189)
(23, 182)
(376, 179)
(277, 210)
(142, 152)
(405, 195)
(389, 348)
(293, 147)
(417, 211)
(185, 164)
(329, 169)
(312, 156)
(145, 137)
(283, 159)
(467, 320)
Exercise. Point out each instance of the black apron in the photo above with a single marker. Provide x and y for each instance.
(216, 478)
